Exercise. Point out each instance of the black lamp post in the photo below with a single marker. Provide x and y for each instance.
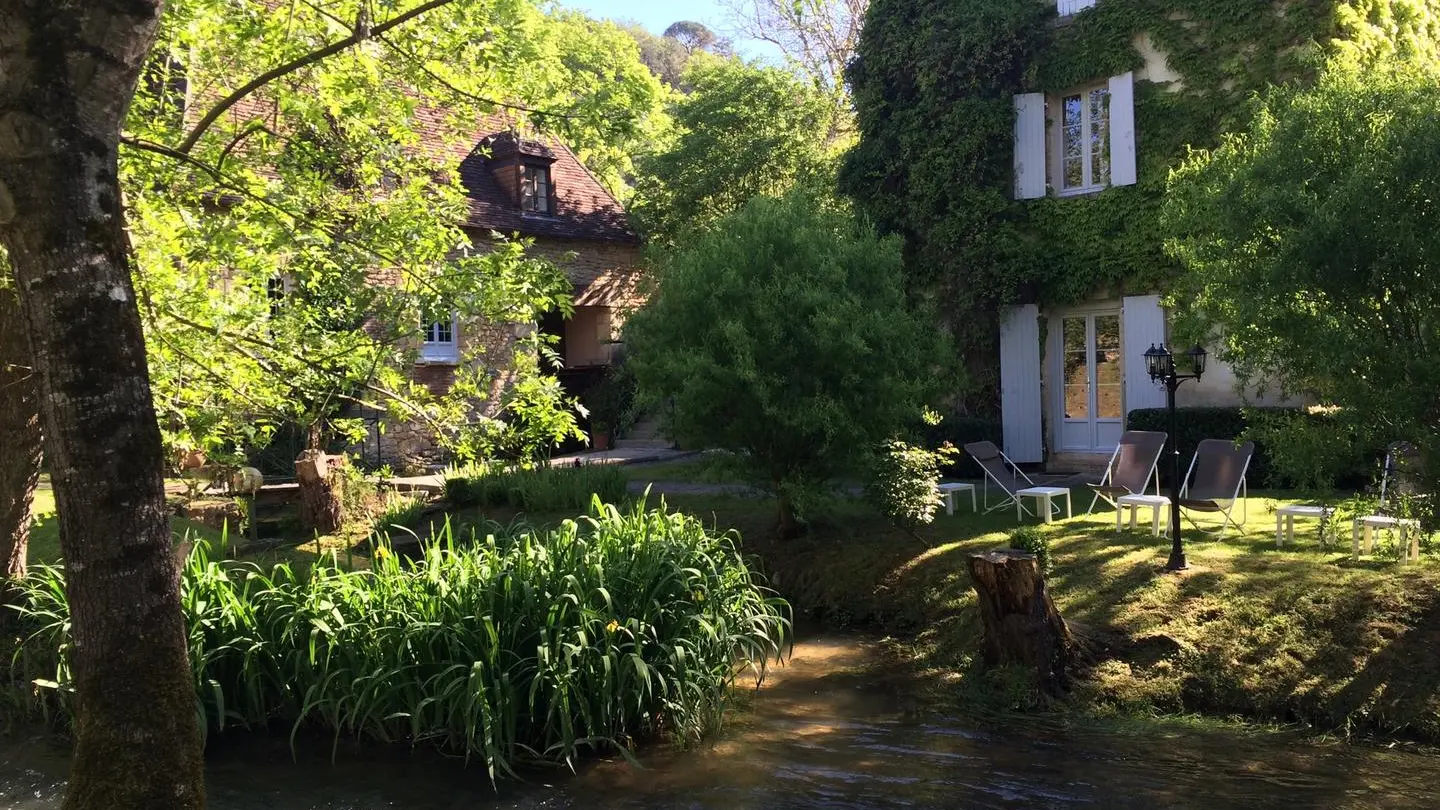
(1160, 362)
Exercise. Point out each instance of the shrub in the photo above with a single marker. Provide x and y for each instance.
(1031, 539)
(538, 489)
(785, 336)
(904, 482)
(539, 646)
(399, 511)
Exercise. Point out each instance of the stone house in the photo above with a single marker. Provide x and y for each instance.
(1071, 373)
(535, 188)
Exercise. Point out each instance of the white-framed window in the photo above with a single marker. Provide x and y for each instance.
(441, 344)
(1068, 7)
(1075, 142)
(1083, 120)
(535, 189)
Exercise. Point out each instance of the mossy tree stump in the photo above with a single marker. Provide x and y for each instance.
(1022, 626)
(320, 506)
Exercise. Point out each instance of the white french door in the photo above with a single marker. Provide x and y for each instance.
(1090, 395)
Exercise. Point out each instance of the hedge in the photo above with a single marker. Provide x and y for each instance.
(1194, 424)
(960, 431)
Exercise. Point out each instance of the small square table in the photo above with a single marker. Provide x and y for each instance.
(1285, 520)
(1042, 496)
(1156, 503)
(1369, 523)
(949, 490)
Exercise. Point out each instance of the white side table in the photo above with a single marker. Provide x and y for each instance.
(1042, 496)
(1410, 540)
(949, 490)
(1156, 503)
(1285, 520)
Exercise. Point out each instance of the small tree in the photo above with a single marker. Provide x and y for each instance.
(1311, 244)
(784, 335)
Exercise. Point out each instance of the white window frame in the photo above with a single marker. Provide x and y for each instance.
(434, 350)
(1090, 183)
(1066, 8)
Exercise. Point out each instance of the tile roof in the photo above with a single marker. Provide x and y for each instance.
(583, 208)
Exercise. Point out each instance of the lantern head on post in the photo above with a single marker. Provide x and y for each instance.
(1197, 360)
(1159, 362)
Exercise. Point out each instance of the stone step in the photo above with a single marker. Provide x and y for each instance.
(641, 444)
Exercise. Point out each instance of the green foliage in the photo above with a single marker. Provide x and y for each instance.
(1031, 539)
(933, 85)
(905, 482)
(1311, 250)
(328, 180)
(399, 512)
(742, 131)
(510, 649)
(537, 489)
(784, 335)
(356, 492)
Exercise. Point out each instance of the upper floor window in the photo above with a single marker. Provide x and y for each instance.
(1076, 142)
(440, 344)
(1085, 140)
(1068, 7)
(535, 189)
(276, 288)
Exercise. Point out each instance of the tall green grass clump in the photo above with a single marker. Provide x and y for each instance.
(538, 489)
(542, 646)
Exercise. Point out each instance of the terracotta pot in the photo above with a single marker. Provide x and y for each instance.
(600, 440)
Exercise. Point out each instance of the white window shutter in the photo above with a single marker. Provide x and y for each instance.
(1143, 325)
(1122, 130)
(1029, 146)
(1020, 397)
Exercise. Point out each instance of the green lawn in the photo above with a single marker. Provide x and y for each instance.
(45, 532)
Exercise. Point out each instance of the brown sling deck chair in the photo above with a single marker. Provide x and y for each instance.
(1131, 468)
(1216, 481)
(1005, 473)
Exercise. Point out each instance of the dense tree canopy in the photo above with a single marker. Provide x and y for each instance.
(784, 334)
(337, 175)
(1311, 246)
(742, 131)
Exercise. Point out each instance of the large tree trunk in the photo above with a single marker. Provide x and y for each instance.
(19, 439)
(1022, 626)
(68, 69)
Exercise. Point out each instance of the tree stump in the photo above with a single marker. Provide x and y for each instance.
(320, 507)
(1022, 626)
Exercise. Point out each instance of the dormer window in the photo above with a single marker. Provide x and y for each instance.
(535, 189)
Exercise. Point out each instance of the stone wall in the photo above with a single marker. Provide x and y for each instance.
(607, 278)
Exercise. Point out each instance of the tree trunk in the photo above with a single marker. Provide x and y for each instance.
(1022, 626)
(320, 507)
(19, 439)
(67, 72)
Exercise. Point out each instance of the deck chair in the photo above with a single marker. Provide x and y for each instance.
(1003, 472)
(1216, 481)
(1131, 468)
(1399, 480)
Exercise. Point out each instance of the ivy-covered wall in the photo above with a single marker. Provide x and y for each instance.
(933, 83)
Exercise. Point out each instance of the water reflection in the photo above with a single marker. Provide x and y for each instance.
(820, 738)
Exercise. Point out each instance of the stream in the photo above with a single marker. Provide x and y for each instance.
(818, 737)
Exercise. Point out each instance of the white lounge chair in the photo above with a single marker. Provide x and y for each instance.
(1216, 482)
(1132, 467)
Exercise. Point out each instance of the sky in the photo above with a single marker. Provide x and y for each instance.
(657, 15)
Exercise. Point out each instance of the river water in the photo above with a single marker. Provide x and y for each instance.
(818, 737)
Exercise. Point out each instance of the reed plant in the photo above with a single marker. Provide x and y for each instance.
(541, 646)
(537, 489)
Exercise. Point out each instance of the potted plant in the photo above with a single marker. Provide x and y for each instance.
(610, 404)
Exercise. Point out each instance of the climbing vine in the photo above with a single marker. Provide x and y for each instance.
(933, 83)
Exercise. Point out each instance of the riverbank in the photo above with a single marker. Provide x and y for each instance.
(1300, 636)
